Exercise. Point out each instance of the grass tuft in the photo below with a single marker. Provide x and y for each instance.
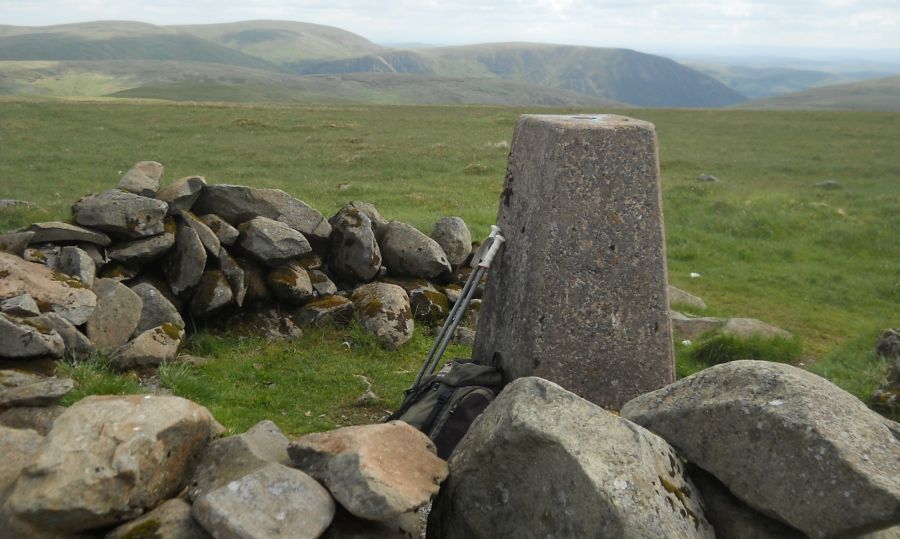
(96, 377)
(717, 348)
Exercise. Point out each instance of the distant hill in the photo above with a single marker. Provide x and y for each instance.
(121, 58)
(759, 82)
(880, 94)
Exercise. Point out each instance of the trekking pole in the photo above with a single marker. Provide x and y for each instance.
(483, 266)
(471, 283)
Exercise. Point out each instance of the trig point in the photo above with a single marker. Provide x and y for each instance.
(578, 296)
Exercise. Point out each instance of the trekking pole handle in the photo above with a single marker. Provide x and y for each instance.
(495, 230)
(495, 246)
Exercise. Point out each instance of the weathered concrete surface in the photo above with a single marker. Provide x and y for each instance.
(581, 281)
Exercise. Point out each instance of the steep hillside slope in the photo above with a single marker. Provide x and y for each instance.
(880, 94)
(284, 42)
(759, 82)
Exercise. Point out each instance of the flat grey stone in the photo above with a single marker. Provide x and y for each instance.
(149, 349)
(185, 265)
(22, 305)
(237, 204)
(691, 327)
(182, 193)
(322, 284)
(77, 345)
(287, 503)
(43, 253)
(143, 250)
(581, 279)
(226, 233)
(272, 242)
(116, 316)
(57, 231)
(454, 237)
(749, 327)
(77, 263)
(21, 339)
(142, 179)
(41, 393)
(410, 253)
(678, 296)
(786, 442)
(542, 462)
(122, 213)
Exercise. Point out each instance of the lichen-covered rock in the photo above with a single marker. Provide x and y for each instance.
(678, 296)
(37, 418)
(429, 305)
(207, 237)
(76, 263)
(119, 272)
(53, 291)
(236, 276)
(108, 459)
(452, 234)
(226, 233)
(355, 255)
(43, 253)
(77, 345)
(331, 310)
(20, 339)
(383, 310)
(149, 349)
(116, 316)
(59, 232)
(888, 344)
(22, 305)
(212, 294)
(142, 179)
(323, 286)
(15, 242)
(42, 392)
(185, 265)
(237, 204)
(255, 280)
(171, 520)
(122, 213)
(376, 472)
(372, 213)
(143, 250)
(287, 504)
(543, 462)
(156, 309)
(182, 193)
(290, 284)
(788, 443)
(410, 253)
(272, 242)
(231, 458)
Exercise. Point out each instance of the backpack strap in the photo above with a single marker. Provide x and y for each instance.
(444, 394)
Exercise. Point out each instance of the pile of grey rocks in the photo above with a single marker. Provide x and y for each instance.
(138, 261)
(159, 466)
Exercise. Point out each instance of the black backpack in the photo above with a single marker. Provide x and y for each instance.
(445, 404)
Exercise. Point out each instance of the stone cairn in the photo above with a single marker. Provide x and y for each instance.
(742, 449)
(139, 260)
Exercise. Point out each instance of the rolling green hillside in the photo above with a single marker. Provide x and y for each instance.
(880, 94)
(284, 42)
(759, 82)
(109, 57)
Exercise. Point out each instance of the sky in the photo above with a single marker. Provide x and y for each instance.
(692, 25)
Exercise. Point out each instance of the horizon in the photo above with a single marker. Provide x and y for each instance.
(731, 28)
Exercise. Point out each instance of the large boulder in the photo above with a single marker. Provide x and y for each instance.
(237, 204)
(229, 459)
(171, 520)
(182, 193)
(355, 255)
(116, 316)
(156, 309)
(53, 291)
(286, 503)
(122, 213)
(272, 242)
(541, 461)
(291, 284)
(383, 310)
(410, 253)
(108, 459)
(376, 472)
(37, 418)
(212, 294)
(372, 213)
(149, 349)
(452, 234)
(19, 448)
(185, 265)
(59, 232)
(36, 392)
(142, 179)
(788, 443)
(21, 338)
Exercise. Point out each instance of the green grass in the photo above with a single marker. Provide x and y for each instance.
(823, 264)
(95, 377)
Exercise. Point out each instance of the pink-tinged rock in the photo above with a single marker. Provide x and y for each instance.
(52, 290)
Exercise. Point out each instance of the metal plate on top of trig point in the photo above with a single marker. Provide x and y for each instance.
(578, 296)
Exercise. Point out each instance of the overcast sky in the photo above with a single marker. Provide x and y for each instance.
(641, 24)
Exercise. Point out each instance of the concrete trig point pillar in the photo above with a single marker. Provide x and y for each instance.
(578, 295)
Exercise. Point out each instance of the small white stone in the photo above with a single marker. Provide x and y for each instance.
(686, 342)
(694, 275)
(776, 402)
(620, 484)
